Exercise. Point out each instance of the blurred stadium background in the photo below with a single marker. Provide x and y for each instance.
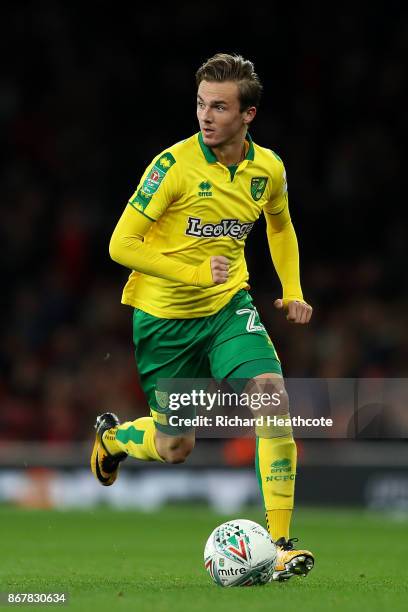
(87, 97)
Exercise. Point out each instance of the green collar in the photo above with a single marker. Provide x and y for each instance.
(211, 158)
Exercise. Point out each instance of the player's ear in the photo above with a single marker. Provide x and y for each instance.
(249, 114)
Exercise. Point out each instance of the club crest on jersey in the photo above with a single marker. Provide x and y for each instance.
(231, 228)
(258, 186)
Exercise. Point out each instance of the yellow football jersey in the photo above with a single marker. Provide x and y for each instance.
(202, 208)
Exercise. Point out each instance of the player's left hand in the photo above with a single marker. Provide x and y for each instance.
(298, 311)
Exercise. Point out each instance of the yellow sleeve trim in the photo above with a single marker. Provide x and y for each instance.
(142, 213)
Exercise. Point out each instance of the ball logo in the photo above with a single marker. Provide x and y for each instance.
(231, 571)
(239, 552)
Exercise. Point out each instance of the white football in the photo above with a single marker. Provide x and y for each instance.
(240, 553)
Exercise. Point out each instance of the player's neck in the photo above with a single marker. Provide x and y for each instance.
(232, 153)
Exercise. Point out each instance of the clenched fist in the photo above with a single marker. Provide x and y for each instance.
(219, 269)
(298, 311)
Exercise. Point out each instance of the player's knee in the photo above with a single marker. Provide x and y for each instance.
(178, 450)
(269, 396)
(280, 403)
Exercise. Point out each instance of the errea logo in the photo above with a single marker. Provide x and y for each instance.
(281, 465)
(277, 467)
(205, 188)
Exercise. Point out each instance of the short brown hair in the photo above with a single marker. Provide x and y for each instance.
(224, 67)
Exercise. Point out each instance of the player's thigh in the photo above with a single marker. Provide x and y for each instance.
(166, 350)
(244, 354)
(239, 337)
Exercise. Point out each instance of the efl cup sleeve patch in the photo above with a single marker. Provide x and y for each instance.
(155, 176)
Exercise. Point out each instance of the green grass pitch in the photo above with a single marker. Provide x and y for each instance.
(110, 560)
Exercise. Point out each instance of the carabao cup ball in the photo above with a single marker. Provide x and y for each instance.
(240, 553)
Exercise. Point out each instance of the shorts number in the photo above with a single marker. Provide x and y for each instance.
(250, 326)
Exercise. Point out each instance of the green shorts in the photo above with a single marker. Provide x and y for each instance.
(231, 340)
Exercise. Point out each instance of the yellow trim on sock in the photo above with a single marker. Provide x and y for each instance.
(278, 523)
(137, 439)
(159, 417)
(275, 431)
(109, 441)
(277, 471)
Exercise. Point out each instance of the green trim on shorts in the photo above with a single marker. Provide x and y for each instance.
(250, 369)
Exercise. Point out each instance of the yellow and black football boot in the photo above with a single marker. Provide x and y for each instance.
(105, 466)
(291, 562)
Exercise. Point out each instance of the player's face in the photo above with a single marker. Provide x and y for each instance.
(218, 113)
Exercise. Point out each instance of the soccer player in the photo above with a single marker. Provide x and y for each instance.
(183, 234)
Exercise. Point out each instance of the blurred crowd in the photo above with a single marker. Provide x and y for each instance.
(88, 97)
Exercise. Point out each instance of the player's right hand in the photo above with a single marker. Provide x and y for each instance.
(219, 269)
